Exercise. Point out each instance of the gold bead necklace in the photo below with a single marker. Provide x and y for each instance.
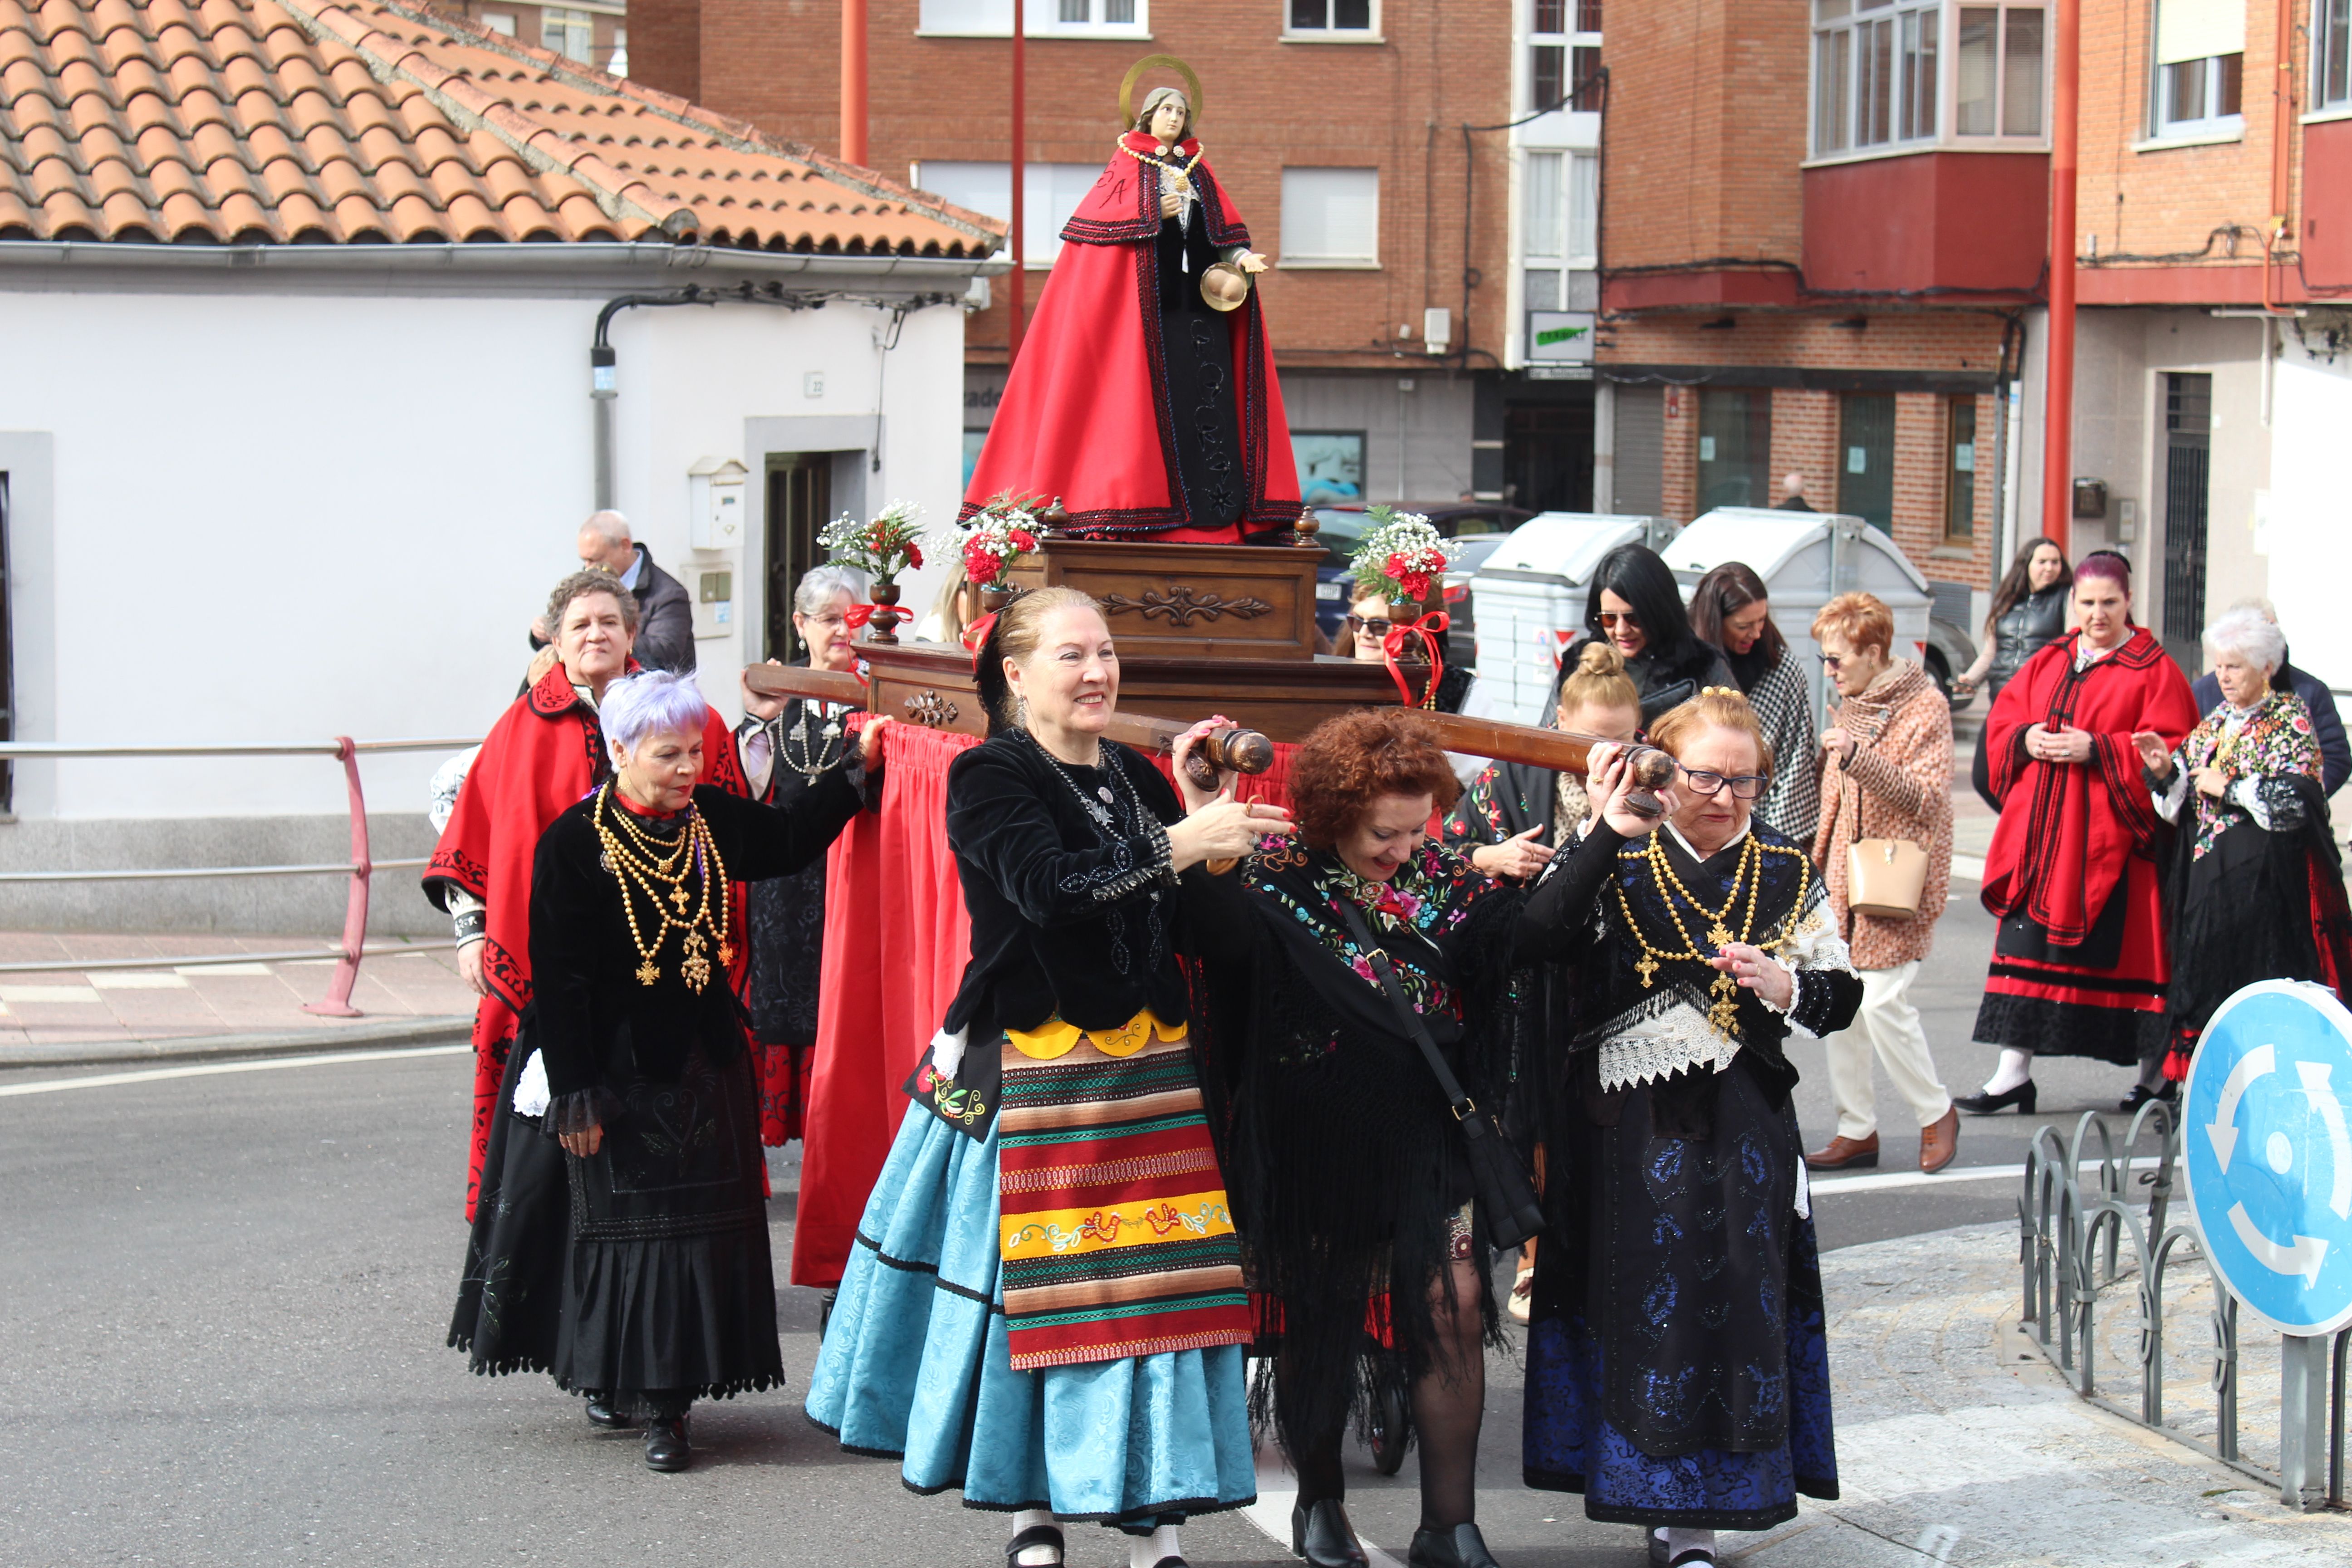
(637, 861)
(1723, 1010)
(1183, 170)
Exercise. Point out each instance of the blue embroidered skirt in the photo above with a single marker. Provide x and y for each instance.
(916, 1367)
(1686, 1383)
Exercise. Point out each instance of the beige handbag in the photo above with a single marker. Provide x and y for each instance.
(1884, 877)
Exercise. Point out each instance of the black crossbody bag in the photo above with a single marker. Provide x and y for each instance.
(1513, 1213)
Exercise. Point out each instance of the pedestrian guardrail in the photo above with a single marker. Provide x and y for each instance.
(2082, 1243)
(360, 868)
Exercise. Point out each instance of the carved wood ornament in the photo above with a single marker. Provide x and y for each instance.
(1181, 604)
(930, 708)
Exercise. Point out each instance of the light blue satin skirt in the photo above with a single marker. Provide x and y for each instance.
(916, 1367)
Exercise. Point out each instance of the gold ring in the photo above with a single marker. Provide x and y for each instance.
(1127, 88)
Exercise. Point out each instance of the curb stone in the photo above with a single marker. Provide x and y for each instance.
(363, 1035)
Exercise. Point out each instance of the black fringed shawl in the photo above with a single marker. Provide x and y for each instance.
(1345, 1165)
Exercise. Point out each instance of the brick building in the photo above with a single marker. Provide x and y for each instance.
(1338, 127)
(593, 32)
(1822, 252)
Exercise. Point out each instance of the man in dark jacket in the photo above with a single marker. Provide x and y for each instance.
(665, 614)
(2326, 724)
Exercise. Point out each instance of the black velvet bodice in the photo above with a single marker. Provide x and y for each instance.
(1064, 923)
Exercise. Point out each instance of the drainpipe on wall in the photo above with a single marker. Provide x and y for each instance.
(2058, 395)
(2279, 230)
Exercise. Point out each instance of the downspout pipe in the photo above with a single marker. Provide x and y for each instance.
(604, 373)
(2058, 387)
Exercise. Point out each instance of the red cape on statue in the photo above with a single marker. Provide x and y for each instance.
(1085, 413)
(545, 753)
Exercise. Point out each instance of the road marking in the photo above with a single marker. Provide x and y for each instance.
(47, 994)
(1968, 866)
(137, 980)
(1894, 1179)
(208, 1069)
(1277, 1493)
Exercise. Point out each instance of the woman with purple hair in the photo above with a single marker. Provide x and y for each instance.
(643, 1074)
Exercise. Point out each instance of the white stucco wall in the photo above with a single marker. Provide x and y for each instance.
(2309, 531)
(285, 515)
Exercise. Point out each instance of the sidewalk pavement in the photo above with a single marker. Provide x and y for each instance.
(1957, 1444)
(72, 1015)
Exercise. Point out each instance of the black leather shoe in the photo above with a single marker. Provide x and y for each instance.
(602, 1414)
(1035, 1536)
(666, 1445)
(1321, 1533)
(2021, 1097)
(1460, 1547)
(2141, 1094)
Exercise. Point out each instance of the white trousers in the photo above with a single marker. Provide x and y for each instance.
(1887, 1025)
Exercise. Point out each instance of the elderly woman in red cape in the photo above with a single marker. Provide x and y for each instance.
(2080, 966)
(544, 753)
(1144, 397)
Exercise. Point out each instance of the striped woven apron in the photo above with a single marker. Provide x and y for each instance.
(1116, 1238)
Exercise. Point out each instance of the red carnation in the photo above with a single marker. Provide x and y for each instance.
(1416, 584)
(914, 555)
(1024, 541)
(980, 563)
(1396, 564)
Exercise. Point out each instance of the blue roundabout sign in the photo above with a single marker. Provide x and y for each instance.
(2267, 1152)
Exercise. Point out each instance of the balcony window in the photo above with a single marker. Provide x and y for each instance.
(1043, 18)
(1330, 217)
(1563, 53)
(1997, 82)
(1562, 208)
(2331, 54)
(569, 33)
(2201, 53)
(1331, 16)
(1884, 70)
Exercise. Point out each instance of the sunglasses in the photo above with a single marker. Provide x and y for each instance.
(1376, 624)
(1744, 786)
(1610, 620)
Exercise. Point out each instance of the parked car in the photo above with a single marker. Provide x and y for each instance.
(1481, 525)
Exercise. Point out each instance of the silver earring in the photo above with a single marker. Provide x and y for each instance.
(1021, 712)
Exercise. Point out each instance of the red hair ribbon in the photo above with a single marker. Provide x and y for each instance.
(1427, 629)
(856, 616)
(975, 636)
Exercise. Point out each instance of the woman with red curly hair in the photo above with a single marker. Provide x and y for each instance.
(1349, 1175)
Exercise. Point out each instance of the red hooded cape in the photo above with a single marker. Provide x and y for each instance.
(1085, 413)
(545, 753)
(2067, 830)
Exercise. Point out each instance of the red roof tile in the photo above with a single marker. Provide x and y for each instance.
(277, 120)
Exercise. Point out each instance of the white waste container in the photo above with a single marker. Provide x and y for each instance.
(1806, 559)
(1529, 602)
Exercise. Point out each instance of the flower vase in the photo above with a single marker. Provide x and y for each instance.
(887, 615)
(994, 597)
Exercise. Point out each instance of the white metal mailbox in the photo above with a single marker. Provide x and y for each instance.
(1529, 602)
(714, 505)
(1806, 559)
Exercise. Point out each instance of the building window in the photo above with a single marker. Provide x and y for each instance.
(499, 22)
(2201, 55)
(571, 34)
(1961, 471)
(2331, 54)
(1997, 82)
(620, 61)
(1562, 209)
(1564, 51)
(1330, 217)
(1043, 18)
(1331, 16)
(1331, 466)
(1875, 74)
(1735, 448)
(1865, 479)
(1049, 195)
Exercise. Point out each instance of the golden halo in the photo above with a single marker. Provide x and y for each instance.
(1127, 88)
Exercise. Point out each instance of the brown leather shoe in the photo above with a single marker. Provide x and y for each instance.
(1845, 1153)
(1940, 1143)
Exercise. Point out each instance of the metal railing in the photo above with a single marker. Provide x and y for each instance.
(2071, 1249)
(360, 868)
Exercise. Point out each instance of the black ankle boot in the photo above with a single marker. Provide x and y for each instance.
(1461, 1546)
(602, 1413)
(666, 1445)
(1321, 1533)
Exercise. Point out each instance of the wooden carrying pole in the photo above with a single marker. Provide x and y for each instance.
(1558, 750)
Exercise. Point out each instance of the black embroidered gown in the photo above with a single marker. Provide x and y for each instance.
(660, 1289)
(1677, 1362)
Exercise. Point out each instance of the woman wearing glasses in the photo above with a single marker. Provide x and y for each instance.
(1887, 773)
(1683, 1388)
(1635, 606)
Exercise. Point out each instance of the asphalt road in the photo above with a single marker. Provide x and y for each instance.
(226, 1297)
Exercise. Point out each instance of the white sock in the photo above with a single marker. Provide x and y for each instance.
(1147, 1550)
(2016, 1067)
(1035, 1556)
(1681, 1540)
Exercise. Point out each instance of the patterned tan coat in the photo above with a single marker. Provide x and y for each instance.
(1899, 785)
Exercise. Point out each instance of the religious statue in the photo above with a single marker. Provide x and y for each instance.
(1144, 397)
